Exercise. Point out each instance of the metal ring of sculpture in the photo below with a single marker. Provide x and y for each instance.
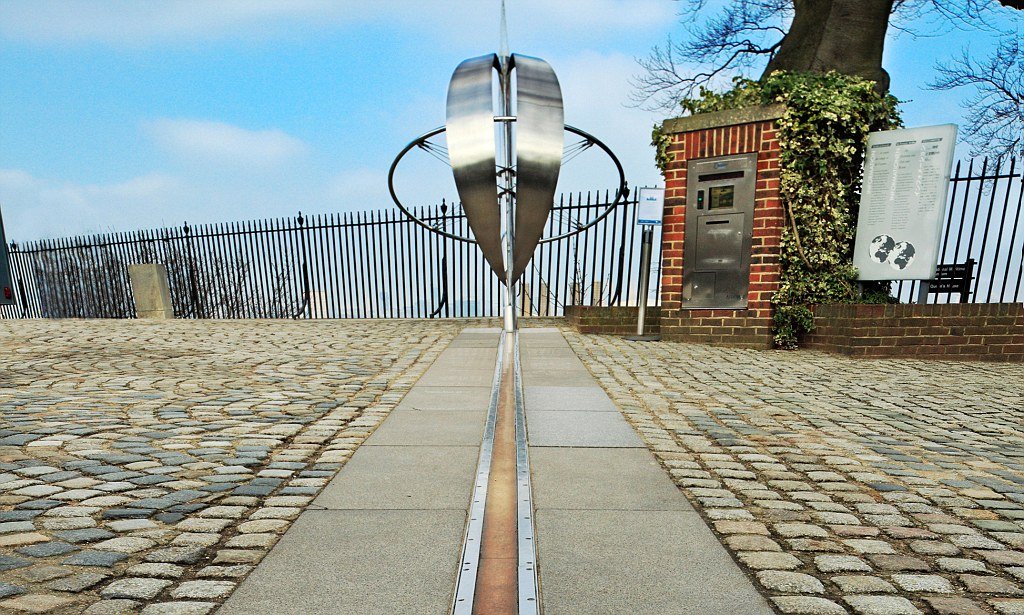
(620, 195)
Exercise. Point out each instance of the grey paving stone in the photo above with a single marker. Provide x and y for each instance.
(77, 582)
(558, 378)
(455, 378)
(426, 398)
(807, 605)
(433, 428)
(118, 606)
(881, 605)
(657, 562)
(39, 574)
(10, 562)
(602, 478)
(36, 603)
(580, 429)
(179, 608)
(176, 555)
(556, 398)
(402, 558)
(790, 582)
(7, 590)
(47, 549)
(94, 558)
(403, 477)
(84, 535)
(200, 590)
(135, 588)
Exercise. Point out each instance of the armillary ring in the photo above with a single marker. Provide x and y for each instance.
(423, 142)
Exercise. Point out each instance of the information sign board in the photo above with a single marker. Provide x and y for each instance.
(903, 202)
(651, 207)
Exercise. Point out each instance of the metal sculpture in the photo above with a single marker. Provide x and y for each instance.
(506, 179)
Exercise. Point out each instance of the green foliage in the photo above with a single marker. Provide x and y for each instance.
(791, 322)
(822, 136)
(661, 141)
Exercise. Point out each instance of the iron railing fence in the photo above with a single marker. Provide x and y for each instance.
(983, 223)
(374, 264)
(381, 265)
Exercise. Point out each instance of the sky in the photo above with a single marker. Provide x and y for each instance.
(127, 114)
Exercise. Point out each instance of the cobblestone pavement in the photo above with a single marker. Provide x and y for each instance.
(149, 466)
(876, 487)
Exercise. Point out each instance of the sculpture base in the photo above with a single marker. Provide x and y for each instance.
(642, 338)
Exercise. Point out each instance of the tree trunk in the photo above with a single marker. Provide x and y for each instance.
(846, 36)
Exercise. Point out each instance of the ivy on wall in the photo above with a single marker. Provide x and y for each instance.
(822, 137)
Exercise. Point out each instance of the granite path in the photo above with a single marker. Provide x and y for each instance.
(875, 487)
(148, 467)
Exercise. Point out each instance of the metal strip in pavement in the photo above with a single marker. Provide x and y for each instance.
(529, 596)
(465, 587)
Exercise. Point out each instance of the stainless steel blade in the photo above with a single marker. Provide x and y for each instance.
(539, 146)
(471, 151)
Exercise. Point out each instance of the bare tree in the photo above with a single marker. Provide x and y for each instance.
(995, 110)
(847, 36)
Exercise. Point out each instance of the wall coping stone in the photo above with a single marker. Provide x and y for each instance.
(718, 119)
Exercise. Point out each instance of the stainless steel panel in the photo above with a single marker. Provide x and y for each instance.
(539, 146)
(717, 242)
(701, 287)
(471, 151)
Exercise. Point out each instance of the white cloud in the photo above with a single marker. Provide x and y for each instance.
(203, 142)
(133, 22)
(36, 208)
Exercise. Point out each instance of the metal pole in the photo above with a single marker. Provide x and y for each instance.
(646, 242)
(507, 196)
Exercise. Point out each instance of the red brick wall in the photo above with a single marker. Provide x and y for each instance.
(957, 331)
(750, 327)
(611, 320)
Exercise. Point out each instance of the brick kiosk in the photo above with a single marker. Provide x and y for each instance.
(750, 130)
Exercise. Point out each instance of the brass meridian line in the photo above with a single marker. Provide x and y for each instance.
(498, 570)
(497, 584)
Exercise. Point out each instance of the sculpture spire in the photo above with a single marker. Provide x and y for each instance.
(503, 49)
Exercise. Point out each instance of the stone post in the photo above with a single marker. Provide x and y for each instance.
(545, 300)
(151, 292)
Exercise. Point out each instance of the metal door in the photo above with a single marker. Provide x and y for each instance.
(719, 221)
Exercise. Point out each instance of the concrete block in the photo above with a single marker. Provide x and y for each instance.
(151, 291)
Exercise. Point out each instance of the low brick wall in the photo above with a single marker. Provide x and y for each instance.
(982, 331)
(734, 328)
(611, 320)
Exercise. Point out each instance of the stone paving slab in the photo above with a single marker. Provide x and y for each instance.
(149, 466)
(406, 427)
(557, 378)
(457, 378)
(841, 485)
(639, 562)
(385, 535)
(479, 337)
(557, 399)
(428, 398)
(572, 428)
(601, 479)
(404, 477)
(614, 534)
(383, 562)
